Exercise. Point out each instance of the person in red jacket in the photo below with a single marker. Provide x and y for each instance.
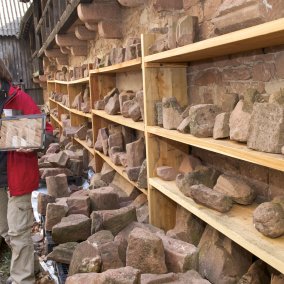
(19, 176)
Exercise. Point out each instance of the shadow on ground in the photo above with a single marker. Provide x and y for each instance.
(5, 257)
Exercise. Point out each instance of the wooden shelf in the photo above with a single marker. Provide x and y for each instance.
(225, 147)
(84, 144)
(79, 81)
(260, 36)
(127, 66)
(88, 115)
(237, 225)
(119, 169)
(120, 120)
(52, 100)
(60, 104)
(56, 119)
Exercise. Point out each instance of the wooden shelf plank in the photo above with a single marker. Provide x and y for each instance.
(127, 66)
(260, 36)
(237, 225)
(225, 147)
(120, 120)
(88, 115)
(60, 104)
(84, 144)
(56, 120)
(120, 169)
(79, 81)
(52, 100)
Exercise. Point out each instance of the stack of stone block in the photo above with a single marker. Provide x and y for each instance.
(124, 149)
(127, 103)
(82, 101)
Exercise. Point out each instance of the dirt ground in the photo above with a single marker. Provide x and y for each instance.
(5, 257)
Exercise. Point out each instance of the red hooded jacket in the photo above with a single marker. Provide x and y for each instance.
(22, 168)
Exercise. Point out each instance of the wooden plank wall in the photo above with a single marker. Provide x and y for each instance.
(17, 56)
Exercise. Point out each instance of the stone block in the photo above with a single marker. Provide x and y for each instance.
(116, 140)
(172, 113)
(54, 214)
(79, 205)
(53, 148)
(104, 198)
(130, 52)
(107, 173)
(123, 187)
(211, 198)
(187, 30)
(82, 132)
(189, 163)
(76, 166)
(140, 100)
(136, 153)
(125, 96)
(133, 173)
(112, 106)
(268, 218)
(116, 220)
(57, 186)
(184, 126)
(159, 113)
(161, 44)
(221, 126)
(42, 201)
(239, 123)
(202, 118)
(74, 228)
(126, 105)
(58, 160)
(100, 105)
(102, 140)
(238, 189)
(166, 5)
(266, 128)
(134, 111)
(142, 178)
(201, 175)
(117, 55)
(62, 253)
(51, 172)
(150, 249)
(188, 227)
(97, 222)
(166, 173)
(179, 255)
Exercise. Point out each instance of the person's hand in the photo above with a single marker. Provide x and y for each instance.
(24, 150)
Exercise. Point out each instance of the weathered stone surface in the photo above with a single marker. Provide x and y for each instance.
(165, 5)
(136, 153)
(134, 111)
(211, 198)
(124, 275)
(140, 100)
(116, 220)
(189, 277)
(121, 239)
(54, 214)
(76, 166)
(266, 128)
(59, 160)
(150, 249)
(142, 178)
(112, 107)
(110, 94)
(179, 255)
(239, 123)
(126, 107)
(42, 201)
(53, 148)
(238, 189)
(201, 175)
(107, 173)
(172, 113)
(79, 205)
(188, 227)
(221, 260)
(133, 173)
(189, 163)
(277, 97)
(50, 172)
(104, 198)
(73, 228)
(62, 253)
(166, 173)
(143, 214)
(116, 140)
(97, 184)
(124, 188)
(257, 274)
(221, 126)
(100, 105)
(268, 218)
(125, 96)
(97, 222)
(184, 126)
(85, 259)
(277, 279)
(202, 118)
(187, 30)
(57, 186)
(82, 132)
(102, 140)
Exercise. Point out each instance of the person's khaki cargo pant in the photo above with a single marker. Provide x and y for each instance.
(16, 220)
